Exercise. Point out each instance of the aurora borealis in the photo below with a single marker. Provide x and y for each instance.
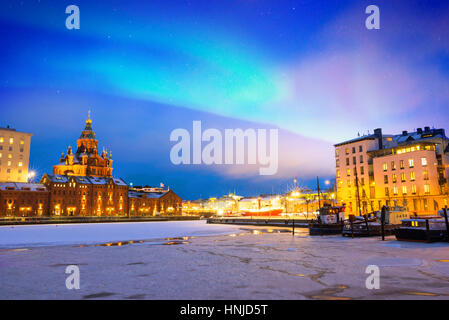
(144, 68)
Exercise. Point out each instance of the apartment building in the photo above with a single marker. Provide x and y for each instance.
(14, 155)
(408, 169)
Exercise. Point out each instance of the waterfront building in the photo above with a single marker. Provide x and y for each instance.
(150, 201)
(81, 184)
(23, 199)
(407, 169)
(14, 155)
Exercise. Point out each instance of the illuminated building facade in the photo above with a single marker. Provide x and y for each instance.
(23, 199)
(14, 155)
(408, 169)
(153, 201)
(85, 161)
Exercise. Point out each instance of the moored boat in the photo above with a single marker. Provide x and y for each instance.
(371, 225)
(428, 229)
(330, 221)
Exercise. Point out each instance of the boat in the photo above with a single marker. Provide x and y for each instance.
(265, 212)
(427, 229)
(371, 224)
(330, 221)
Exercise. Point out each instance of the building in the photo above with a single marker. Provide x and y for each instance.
(23, 199)
(407, 169)
(85, 161)
(86, 196)
(81, 184)
(14, 155)
(153, 201)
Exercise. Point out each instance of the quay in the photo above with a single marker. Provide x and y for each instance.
(69, 220)
(261, 221)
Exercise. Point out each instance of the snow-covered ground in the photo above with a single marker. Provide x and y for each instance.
(248, 263)
(64, 234)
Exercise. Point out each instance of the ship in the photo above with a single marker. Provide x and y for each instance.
(330, 221)
(371, 224)
(425, 229)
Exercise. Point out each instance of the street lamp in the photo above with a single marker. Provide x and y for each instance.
(31, 176)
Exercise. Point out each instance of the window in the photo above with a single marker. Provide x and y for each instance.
(426, 189)
(347, 161)
(385, 166)
(347, 151)
(394, 178)
(0, 155)
(9, 156)
(361, 159)
(425, 175)
(395, 190)
(336, 153)
(385, 179)
(393, 165)
(337, 162)
(413, 188)
(404, 189)
(338, 173)
(2, 139)
(403, 177)
(362, 181)
(22, 141)
(412, 176)
(387, 192)
(410, 163)
(362, 170)
(360, 148)
(401, 164)
(353, 149)
(11, 140)
(20, 164)
(424, 162)
(9, 163)
(354, 160)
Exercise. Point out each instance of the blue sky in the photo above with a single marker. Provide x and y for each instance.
(144, 68)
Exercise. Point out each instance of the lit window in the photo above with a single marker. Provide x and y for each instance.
(10, 156)
(9, 163)
(347, 151)
(404, 189)
(393, 165)
(11, 140)
(22, 141)
(410, 163)
(412, 176)
(395, 190)
(427, 188)
(20, 164)
(2, 140)
(401, 164)
(424, 162)
(338, 173)
(385, 166)
(413, 189)
(425, 175)
(0, 155)
(403, 177)
(394, 178)
(348, 172)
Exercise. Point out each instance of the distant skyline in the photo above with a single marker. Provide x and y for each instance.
(309, 68)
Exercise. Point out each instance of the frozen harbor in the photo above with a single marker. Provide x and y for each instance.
(213, 262)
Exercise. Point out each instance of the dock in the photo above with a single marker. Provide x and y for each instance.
(261, 221)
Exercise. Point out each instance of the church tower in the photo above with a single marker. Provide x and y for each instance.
(86, 161)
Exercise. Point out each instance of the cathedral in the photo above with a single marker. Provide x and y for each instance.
(86, 161)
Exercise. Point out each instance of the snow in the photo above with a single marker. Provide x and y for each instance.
(64, 234)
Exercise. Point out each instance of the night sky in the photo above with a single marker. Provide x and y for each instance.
(145, 68)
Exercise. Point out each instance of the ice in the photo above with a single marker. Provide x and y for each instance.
(64, 234)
